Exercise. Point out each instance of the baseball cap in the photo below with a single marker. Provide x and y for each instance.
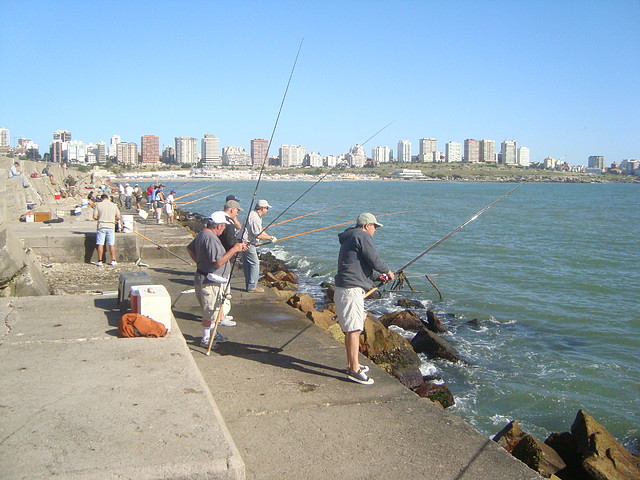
(262, 204)
(232, 204)
(366, 218)
(231, 197)
(218, 217)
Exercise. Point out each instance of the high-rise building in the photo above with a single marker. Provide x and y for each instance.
(381, 154)
(471, 150)
(428, 149)
(259, 151)
(234, 156)
(62, 135)
(56, 152)
(169, 154)
(127, 153)
(404, 151)
(509, 152)
(596, 161)
(115, 140)
(313, 159)
(487, 151)
(453, 152)
(292, 155)
(76, 151)
(150, 149)
(523, 156)
(187, 151)
(101, 154)
(210, 151)
(356, 156)
(5, 137)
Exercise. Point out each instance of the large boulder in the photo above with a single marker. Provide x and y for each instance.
(509, 436)
(434, 324)
(408, 303)
(436, 393)
(408, 375)
(602, 456)
(538, 456)
(303, 302)
(322, 318)
(405, 319)
(433, 346)
(384, 346)
(565, 445)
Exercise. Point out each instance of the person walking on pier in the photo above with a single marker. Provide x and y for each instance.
(252, 233)
(107, 214)
(212, 271)
(357, 261)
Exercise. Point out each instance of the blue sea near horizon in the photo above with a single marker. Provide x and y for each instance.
(550, 273)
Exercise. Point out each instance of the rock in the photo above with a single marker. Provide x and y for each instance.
(538, 456)
(336, 332)
(404, 319)
(433, 346)
(322, 318)
(328, 291)
(408, 303)
(509, 436)
(286, 276)
(382, 345)
(434, 324)
(565, 446)
(473, 323)
(408, 375)
(602, 456)
(302, 302)
(436, 393)
(284, 285)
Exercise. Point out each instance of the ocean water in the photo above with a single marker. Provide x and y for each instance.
(550, 272)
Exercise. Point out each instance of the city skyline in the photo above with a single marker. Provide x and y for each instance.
(557, 77)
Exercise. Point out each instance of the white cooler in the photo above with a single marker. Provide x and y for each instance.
(152, 301)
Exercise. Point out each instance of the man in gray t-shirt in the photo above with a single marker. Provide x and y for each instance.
(107, 214)
(252, 234)
(212, 271)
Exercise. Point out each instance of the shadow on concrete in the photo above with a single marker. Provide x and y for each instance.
(112, 313)
(172, 271)
(269, 356)
(487, 442)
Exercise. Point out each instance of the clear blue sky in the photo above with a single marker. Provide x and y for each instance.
(561, 77)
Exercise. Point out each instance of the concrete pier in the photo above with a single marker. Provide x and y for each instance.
(78, 402)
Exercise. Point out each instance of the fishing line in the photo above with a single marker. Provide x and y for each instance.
(321, 178)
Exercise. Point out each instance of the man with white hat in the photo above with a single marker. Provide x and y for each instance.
(212, 271)
(357, 261)
(252, 233)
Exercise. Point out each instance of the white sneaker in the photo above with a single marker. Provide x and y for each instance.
(97, 264)
(228, 322)
(114, 263)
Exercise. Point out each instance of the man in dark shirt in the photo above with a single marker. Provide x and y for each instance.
(357, 261)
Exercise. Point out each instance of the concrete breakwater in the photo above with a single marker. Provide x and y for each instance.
(270, 403)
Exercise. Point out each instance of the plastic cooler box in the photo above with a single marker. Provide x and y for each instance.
(152, 301)
(125, 282)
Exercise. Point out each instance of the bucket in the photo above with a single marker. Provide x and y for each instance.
(57, 196)
(85, 202)
(127, 223)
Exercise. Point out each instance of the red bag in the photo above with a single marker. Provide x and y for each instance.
(136, 325)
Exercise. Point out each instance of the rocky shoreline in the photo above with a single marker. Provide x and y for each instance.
(586, 452)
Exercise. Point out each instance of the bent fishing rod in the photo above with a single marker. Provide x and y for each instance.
(320, 179)
(448, 235)
(253, 198)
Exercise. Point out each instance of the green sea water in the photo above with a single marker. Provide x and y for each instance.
(551, 273)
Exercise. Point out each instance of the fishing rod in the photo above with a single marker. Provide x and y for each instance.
(301, 216)
(322, 178)
(253, 198)
(448, 235)
(326, 228)
(202, 198)
(191, 193)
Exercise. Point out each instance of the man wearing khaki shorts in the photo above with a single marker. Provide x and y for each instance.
(357, 261)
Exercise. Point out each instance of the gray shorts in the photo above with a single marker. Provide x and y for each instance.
(350, 308)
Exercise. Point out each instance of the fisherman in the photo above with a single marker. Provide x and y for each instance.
(252, 233)
(137, 195)
(14, 172)
(150, 196)
(107, 214)
(159, 203)
(47, 171)
(122, 196)
(228, 239)
(169, 206)
(357, 261)
(212, 273)
(128, 196)
(234, 218)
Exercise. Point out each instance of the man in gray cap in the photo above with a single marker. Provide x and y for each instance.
(357, 261)
(252, 233)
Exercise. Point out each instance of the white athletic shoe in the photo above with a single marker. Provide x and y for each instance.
(228, 322)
